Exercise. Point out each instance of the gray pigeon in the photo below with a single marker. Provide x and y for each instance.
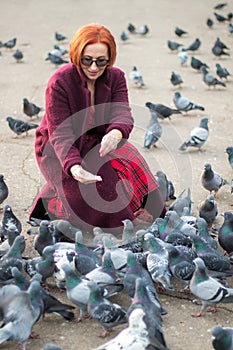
(221, 72)
(173, 45)
(211, 180)
(44, 237)
(18, 55)
(153, 131)
(182, 202)
(176, 79)
(3, 189)
(77, 290)
(222, 338)
(108, 314)
(184, 104)
(194, 46)
(229, 151)
(183, 56)
(163, 184)
(162, 111)
(203, 232)
(9, 218)
(207, 289)
(31, 109)
(136, 77)
(218, 51)
(197, 137)
(157, 261)
(208, 209)
(209, 79)
(142, 300)
(19, 126)
(19, 313)
(135, 336)
(179, 32)
(197, 64)
(225, 233)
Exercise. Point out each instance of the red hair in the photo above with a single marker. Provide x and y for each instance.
(91, 34)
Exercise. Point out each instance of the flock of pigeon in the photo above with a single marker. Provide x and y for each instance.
(180, 247)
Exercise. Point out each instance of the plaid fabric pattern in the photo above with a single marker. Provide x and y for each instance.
(135, 173)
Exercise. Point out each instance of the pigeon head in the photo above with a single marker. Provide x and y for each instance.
(177, 94)
(199, 264)
(229, 150)
(204, 122)
(207, 166)
(221, 338)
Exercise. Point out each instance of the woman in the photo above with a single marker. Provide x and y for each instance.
(94, 176)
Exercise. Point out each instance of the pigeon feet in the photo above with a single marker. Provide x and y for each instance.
(199, 314)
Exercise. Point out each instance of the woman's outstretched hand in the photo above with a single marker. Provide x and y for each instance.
(110, 141)
(83, 176)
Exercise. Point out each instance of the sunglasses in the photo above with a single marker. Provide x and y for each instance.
(100, 62)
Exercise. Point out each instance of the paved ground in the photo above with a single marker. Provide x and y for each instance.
(34, 25)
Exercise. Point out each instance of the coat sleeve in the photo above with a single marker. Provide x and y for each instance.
(120, 117)
(60, 128)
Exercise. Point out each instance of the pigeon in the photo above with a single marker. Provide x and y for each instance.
(134, 337)
(162, 111)
(184, 104)
(77, 291)
(136, 77)
(197, 64)
(50, 302)
(44, 237)
(220, 18)
(211, 180)
(230, 28)
(183, 56)
(106, 273)
(128, 233)
(180, 264)
(143, 30)
(57, 60)
(142, 300)
(220, 6)
(230, 16)
(30, 109)
(163, 185)
(219, 51)
(194, 46)
(225, 233)
(44, 265)
(12, 258)
(99, 234)
(124, 36)
(62, 51)
(4, 191)
(108, 314)
(59, 36)
(222, 338)
(157, 261)
(209, 23)
(221, 44)
(229, 151)
(208, 209)
(176, 79)
(118, 255)
(214, 259)
(85, 259)
(179, 32)
(208, 289)
(182, 202)
(18, 56)
(173, 45)
(221, 72)
(19, 126)
(210, 80)
(203, 232)
(131, 28)
(153, 131)
(197, 137)
(19, 313)
(9, 218)
(10, 43)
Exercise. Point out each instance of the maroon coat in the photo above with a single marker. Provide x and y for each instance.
(63, 140)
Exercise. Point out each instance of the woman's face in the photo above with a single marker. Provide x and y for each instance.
(95, 51)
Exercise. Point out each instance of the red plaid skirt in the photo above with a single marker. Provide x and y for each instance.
(135, 173)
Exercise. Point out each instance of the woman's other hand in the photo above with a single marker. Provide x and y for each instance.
(83, 176)
(110, 141)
